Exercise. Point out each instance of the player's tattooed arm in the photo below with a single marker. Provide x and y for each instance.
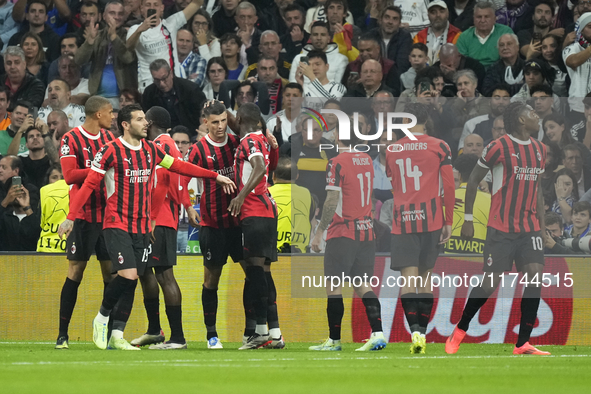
(330, 206)
(476, 177)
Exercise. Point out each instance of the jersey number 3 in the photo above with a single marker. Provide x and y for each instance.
(411, 172)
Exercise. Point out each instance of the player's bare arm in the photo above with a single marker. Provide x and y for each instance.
(476, 177)
(92, 182)
(188, 169)
(256, 176)
(330, 206)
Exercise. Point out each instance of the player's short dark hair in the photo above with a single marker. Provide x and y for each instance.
(501, 86)
(421, 47)
(581, 206)
(318, 54)
(419, 111)
(215, 108)
(249, 114)
(394, 8)
(511, 116)
(541, 88)
(553, 218)
(31, 128)
(328, 3)
(285, 170)
(319, 24)
(94, 104)
(125, 114)
(294, 85)
(231, 36)
(464, 164)
(159, 117)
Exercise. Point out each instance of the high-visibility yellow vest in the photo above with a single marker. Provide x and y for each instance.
(456, 243)
(55, 202)
(293, 214)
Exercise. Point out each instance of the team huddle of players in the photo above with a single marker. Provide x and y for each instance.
(126, 191)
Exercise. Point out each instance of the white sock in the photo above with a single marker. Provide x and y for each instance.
(275, 333)
(377, 333)
(117, 334)
(102, 319)
(261, 329)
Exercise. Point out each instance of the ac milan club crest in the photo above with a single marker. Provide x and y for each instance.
(489, 261)
(120, 259)
(73, 248)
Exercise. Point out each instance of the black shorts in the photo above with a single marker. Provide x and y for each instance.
(345, 256)
(127, 250)
(415, 250)
(502, 249)
(84, 239)
(217, 243)
(162, 253)
(259, 238)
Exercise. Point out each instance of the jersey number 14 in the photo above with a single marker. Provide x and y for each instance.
(411, 172)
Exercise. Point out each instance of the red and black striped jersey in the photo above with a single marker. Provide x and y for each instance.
(515, 166)
(168, 216)
(129, 179)
(421, 175)
(351, 174)
(259, 202)
(82, 146)
(218, 157)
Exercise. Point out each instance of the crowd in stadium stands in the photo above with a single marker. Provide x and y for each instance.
(465, 60)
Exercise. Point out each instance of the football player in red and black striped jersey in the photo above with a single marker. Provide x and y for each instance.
(128, 166)
(77, 150)
(258, 213)
(515, 224)
(220, 234)
(166, 200)
(424, 195)
(350, 240)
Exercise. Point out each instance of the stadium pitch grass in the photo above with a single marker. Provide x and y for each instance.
(35, 367)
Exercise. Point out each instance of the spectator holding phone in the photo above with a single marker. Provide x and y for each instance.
(155, 38)
(19, 221)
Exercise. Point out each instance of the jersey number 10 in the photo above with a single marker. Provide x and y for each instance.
(411, 172)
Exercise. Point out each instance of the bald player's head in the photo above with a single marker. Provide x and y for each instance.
(473, 144)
